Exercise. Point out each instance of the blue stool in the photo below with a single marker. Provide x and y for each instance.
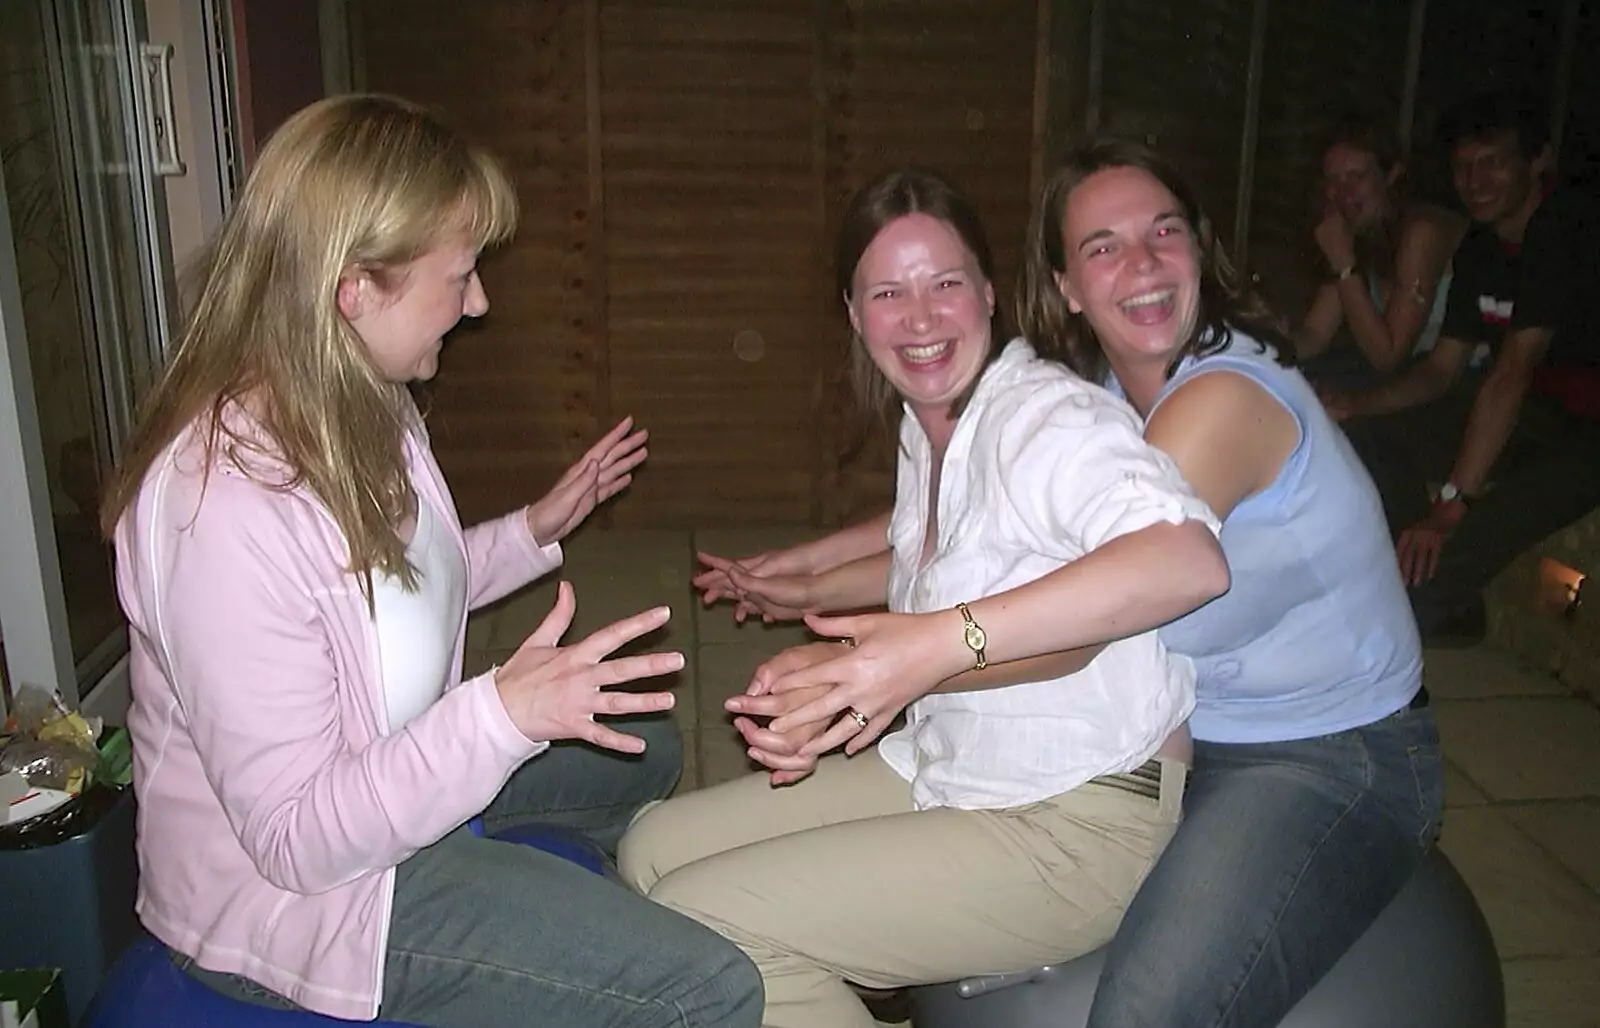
(145, 989)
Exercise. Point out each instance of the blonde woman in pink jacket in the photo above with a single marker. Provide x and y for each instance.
(297, 582)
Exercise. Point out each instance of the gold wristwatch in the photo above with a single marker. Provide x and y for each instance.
(972, 634)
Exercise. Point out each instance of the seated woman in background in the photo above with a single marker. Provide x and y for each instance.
(1011, 819)
(1388, 263)
(297, 582)
(1316, 784)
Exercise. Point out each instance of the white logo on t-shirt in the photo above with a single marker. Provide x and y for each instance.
(1494, 310)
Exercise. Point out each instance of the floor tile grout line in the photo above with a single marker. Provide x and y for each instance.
(1561, 866)
(1455, 765)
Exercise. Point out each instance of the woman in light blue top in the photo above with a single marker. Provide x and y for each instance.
(1387, 263)
(1317, 786)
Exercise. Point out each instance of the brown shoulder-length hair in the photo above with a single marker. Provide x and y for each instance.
(885, 199)
(352, 185)
(1042, 312)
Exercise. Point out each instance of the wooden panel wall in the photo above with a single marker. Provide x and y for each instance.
(711, 244)
(524, 389)
(1174, 75)
(682, 168)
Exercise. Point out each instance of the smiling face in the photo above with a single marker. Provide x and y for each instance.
(922, 308)
(404, 325)
(1132, 265)
(1493, 176)
(1356, 184)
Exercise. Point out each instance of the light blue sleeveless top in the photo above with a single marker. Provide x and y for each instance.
(1316, 634)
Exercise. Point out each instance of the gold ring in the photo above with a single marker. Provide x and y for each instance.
(855, 715)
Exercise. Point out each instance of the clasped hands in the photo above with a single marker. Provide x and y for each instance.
(872, 664)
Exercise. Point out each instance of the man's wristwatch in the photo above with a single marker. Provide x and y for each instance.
(1449, 493)
(972, 634)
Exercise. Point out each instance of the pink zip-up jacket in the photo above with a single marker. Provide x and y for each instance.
(273, 805)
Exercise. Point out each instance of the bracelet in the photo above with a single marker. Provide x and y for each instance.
(973, 635)
(1345, 272)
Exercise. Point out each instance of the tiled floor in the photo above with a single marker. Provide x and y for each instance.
(1522, 754)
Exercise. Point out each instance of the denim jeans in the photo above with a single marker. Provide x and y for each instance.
(1288, 851)
(486, 934)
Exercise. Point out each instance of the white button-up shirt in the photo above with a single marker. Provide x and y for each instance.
(1042, 468)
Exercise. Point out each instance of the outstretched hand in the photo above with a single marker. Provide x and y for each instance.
(605, 470)
(555, 692)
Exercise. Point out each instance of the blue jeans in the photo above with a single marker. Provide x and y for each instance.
(486, 934)
(1288, 851)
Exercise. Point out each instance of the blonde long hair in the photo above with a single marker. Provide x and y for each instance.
(349, 185)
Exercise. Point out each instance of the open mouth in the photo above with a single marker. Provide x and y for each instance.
(1150, 308)
(927, 353)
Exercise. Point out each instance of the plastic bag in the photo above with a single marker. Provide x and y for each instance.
(51, 746)
(40, 713)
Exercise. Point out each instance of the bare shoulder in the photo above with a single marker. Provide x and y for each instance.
(1431, 230)
(1222, 406)
(1229, 435)
(1217, 397)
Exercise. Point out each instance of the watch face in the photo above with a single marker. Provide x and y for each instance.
(976, 640)
(1448, 492)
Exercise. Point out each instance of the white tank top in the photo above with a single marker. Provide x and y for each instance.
(417, 631)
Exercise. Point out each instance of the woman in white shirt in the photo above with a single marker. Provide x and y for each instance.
(1010, 821)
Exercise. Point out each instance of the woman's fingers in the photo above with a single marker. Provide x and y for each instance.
(621, 670)
(823, 708)
(824, 672)
(843, 627)
(615, 468)
(603, 446)
(758, 705)
(611, 739)
(780, 761)
(841, 733)
(866, 736)
(789, 591)
(766, 739)
(601, 642)
(555, 623)
(619, 704)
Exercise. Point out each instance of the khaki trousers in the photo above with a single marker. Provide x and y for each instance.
(837, 879)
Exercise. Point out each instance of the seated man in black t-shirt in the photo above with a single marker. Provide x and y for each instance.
(1475, 468)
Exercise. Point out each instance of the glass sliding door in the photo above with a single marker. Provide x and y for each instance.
(86, 282)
